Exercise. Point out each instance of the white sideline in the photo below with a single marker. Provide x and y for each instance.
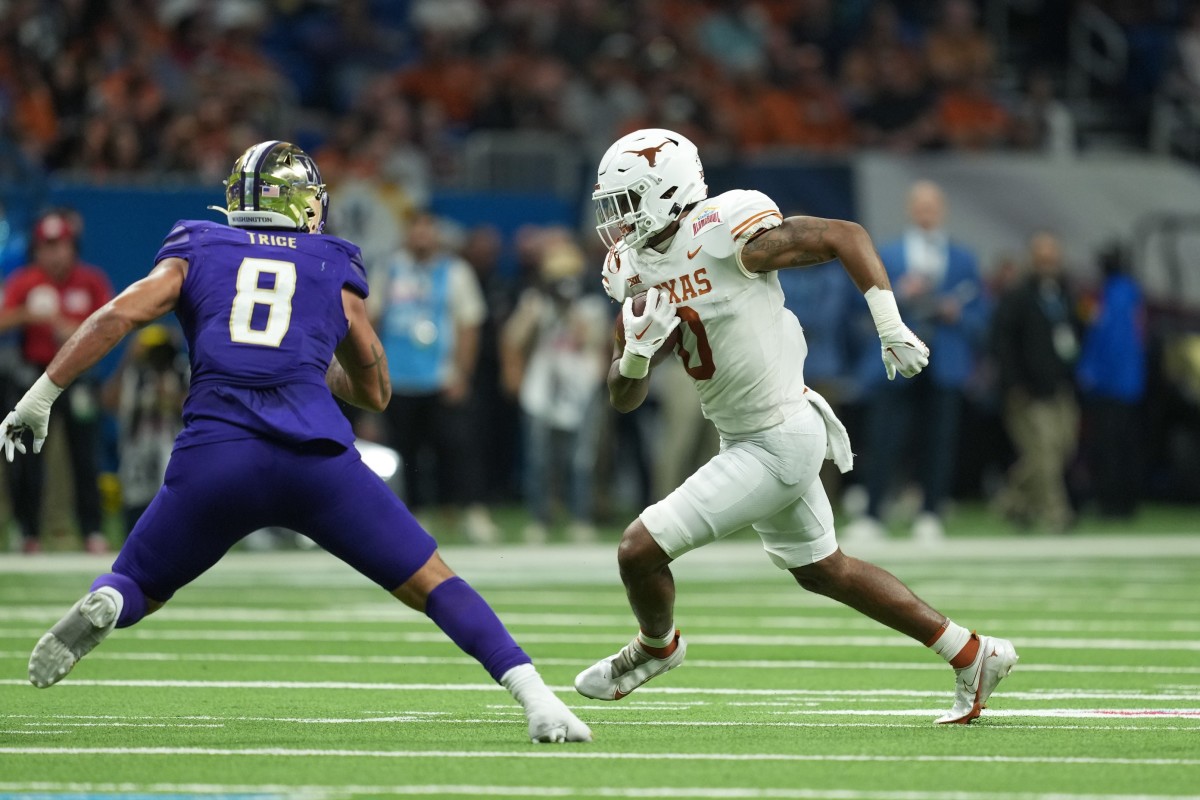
(442, 790)
(572, 564)
(593, 755)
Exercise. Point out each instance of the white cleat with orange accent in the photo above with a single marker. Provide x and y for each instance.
(616, 676)
(976, 681)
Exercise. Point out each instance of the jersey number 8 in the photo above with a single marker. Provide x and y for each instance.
(277, 299)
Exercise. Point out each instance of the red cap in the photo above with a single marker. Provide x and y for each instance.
(51, 228)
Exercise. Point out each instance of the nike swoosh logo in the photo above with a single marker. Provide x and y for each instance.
(618, 694)
(639, 336)
(692, 253)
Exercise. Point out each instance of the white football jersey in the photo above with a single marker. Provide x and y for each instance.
(742, 349)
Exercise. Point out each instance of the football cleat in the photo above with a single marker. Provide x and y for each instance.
(552, 722)
(616, 676)
(976, 681)
(74, 636)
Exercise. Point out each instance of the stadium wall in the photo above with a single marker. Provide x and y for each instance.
(996, 201)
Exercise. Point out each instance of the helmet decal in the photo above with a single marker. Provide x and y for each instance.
(650, 153)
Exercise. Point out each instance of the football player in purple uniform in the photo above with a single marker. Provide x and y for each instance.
(276, 325)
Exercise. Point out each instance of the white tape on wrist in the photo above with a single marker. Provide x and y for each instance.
(883, 310)
(40, 396)
(633, 366)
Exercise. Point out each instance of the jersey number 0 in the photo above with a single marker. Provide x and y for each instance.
(277, 299)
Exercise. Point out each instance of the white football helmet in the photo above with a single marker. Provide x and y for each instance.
(645, 180)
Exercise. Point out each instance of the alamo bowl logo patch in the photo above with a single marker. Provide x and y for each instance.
(706, 217)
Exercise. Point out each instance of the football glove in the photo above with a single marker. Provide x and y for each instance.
(902, 351)
(645, 332)
(32, 413)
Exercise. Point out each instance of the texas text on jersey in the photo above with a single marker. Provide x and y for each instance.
(740, 346)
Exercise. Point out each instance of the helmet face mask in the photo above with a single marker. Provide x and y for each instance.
(276, 185)
(644, 181)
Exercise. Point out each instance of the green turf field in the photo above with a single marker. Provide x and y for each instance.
(287, 675)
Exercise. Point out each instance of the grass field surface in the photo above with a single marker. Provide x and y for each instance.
(286, 675)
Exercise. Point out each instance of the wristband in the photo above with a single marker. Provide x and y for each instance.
(883, 309)
(40, 397)
(633, 366)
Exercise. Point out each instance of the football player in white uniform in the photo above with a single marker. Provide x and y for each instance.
(707, 267)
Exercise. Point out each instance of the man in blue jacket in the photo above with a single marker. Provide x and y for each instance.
(938, 287)
(1111, 375)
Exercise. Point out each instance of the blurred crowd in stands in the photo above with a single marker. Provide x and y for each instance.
(499, 348)
(119, 88)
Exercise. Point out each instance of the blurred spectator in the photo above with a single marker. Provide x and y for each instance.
(901, 113)
(13, 243)
(823, 123)
(146, 394)
(556, 352)
(496, 411)
(604, 92)
(940, 295)
(432, 309)
(1112, 380)
(734, 37)
(372, 211)
(969, 118)
(1035, 340)
(45, 301)
(446, 77)
(956, 50)
(1043, 122)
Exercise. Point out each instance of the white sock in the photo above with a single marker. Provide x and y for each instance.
(658, 641)
(953, 639)
(526, 685)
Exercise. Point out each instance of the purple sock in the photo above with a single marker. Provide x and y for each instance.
(471, 624)
(134, 607)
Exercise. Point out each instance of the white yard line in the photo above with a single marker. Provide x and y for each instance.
(394, 614)
(437, 637)
(508, 715)
(595, 564)
(699, 663)
(594, 755)
(492, 790)
(818, 694)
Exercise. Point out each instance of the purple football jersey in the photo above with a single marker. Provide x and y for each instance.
(262, 313)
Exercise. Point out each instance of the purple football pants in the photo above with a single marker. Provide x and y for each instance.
(215, 494)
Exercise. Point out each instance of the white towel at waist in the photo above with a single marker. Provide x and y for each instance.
(837, 441)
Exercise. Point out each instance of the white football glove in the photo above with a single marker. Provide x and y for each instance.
(645, 332)
(32, 413)
(902, 351)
